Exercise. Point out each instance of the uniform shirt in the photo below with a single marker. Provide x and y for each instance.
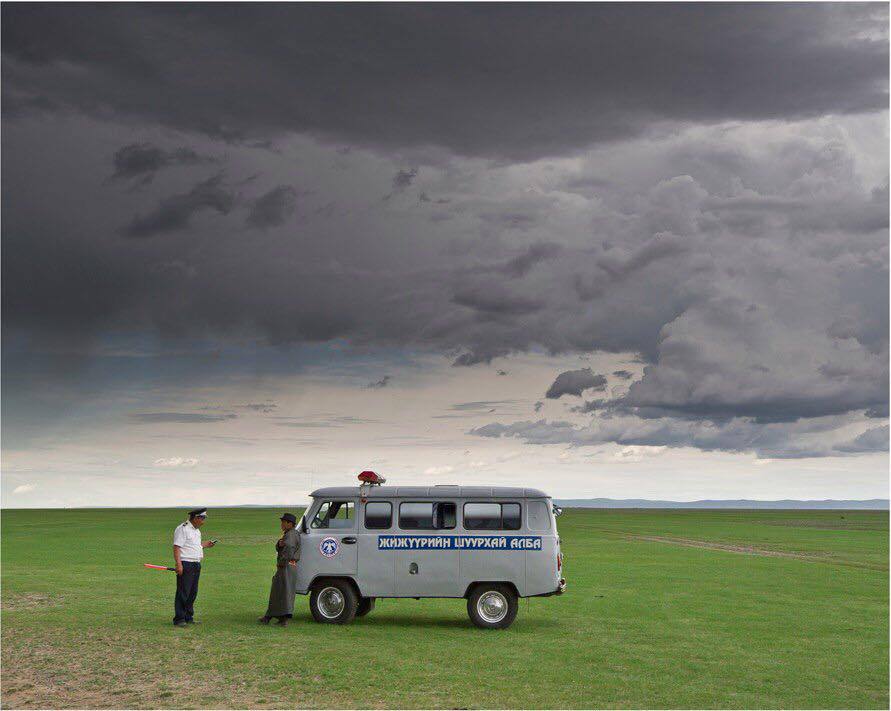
(188, 538)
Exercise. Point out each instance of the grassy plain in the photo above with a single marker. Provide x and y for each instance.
(668, 609)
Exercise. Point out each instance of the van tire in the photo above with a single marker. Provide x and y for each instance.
(366, 605)
(333, 602)
(492, 606)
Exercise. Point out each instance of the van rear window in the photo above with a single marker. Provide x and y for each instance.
(427, 516)
(378, 514)
(491, 517)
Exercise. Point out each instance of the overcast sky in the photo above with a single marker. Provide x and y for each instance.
(627, 251)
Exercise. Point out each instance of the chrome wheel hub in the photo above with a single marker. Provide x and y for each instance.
(492, 606)
(331, 603)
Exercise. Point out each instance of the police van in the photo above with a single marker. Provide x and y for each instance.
(490, 545)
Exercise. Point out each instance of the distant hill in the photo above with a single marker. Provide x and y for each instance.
(867, 504)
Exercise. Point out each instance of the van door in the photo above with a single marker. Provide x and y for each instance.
(329, 546)
(377, 567)
(425, 565)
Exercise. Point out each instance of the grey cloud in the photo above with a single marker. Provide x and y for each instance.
(382, 383)
(496, 300)
(273, 208)
(811, 438)
(481, 405)
(404, 179)
(175, 213)
(538, 405)
(184, 418)
(716, 254)
(574, 382)
(491, 73)
(591, 406)
(143, 160)
(623, 374)
(308, 425)
(502, 372)
(879, 411)
(873, 440)
(327, 422)
(475, 358)
(264, 407)
(521, 264)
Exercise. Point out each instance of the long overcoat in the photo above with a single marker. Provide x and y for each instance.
(284, 582)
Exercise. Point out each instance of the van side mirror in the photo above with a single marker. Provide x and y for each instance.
(557, 510)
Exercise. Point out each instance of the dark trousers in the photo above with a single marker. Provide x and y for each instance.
(186, 592)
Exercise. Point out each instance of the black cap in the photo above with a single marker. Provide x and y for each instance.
(198, 512)
(291, 518)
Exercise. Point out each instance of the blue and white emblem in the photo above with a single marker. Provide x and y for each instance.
(328, 547)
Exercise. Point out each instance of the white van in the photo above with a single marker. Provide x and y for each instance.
(490, 545)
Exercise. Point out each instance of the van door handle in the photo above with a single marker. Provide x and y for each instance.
(348, 539)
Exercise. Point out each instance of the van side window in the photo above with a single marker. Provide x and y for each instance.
(539, 516)
(378, 514)
(334, 514)
(491, 517)
(427, 516)
(510, 516)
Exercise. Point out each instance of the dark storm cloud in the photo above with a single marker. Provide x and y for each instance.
(496, 300)
(623, 374)
(404, 179)
(465, 360)
(811, 438)
(183, 418)
(273, 208)
(520, 265)
(874, 440)
(574, 382)
(879, 411)
(483, 79)
(745, 264)
(143, 160)
(175, 213)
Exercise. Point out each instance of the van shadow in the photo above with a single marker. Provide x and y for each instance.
(451, 623)
(372, 621)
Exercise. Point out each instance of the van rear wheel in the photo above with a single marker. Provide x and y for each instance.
(333, 602)
(492, 606)
(366, 605)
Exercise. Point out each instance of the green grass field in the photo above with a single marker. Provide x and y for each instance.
(743, 609)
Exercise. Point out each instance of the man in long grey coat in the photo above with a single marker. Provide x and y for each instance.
(284, 582)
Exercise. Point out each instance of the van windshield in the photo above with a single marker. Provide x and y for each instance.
(334, 514)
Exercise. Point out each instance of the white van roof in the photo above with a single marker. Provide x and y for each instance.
(441, 491)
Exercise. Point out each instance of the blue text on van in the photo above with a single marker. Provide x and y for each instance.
(467, 543)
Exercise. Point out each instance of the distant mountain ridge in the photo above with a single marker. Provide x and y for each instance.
(850, 504)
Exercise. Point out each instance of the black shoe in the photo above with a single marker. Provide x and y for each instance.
(179, 623)
(192, 622)
(283, 621)
(264, 620)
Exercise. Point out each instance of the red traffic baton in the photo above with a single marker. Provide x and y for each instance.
(158, 567)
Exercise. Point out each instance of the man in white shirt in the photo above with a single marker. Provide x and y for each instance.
(188, 550)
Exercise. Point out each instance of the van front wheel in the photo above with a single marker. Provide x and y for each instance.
(333, 602)
(492, 606)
